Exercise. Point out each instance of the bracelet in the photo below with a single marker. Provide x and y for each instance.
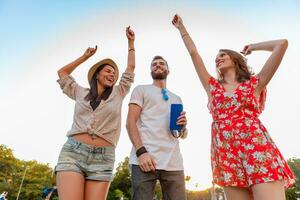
(131, 49)
(183, 35)
(140, 151)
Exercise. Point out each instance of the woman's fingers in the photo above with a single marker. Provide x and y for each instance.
(129, 33)
(246, 50)
(176, 20)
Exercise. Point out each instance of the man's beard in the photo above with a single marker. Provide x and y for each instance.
(160, 76)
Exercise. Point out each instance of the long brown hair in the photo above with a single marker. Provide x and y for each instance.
(243, 72)
(92, 96)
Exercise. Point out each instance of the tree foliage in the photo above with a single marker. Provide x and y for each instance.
(12, 170)
(38, 176)
(294, 192)
(121, 184)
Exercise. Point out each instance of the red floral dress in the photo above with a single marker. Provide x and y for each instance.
(242, 152)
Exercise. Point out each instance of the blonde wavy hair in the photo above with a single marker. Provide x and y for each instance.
(243, 71)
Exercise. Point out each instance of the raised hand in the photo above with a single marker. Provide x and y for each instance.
(69, 68)
(177, 21)
(130, 34)
(247, 50)
(90, 51)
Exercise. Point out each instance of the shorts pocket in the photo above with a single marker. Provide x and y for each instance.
(109, 157)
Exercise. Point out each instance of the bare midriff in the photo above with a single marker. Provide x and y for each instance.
(92, 140)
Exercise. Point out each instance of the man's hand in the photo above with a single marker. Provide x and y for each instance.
(181, 120)
(147, 162)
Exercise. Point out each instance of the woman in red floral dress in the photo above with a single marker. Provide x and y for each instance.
(245, 160)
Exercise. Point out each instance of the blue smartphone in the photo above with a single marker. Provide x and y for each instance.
(176, 109)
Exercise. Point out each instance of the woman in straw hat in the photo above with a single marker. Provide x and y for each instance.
(244, 159)
(86, 161)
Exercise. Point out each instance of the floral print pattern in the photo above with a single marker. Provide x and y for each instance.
(242, 152)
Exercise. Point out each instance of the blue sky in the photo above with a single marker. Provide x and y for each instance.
(27, 23)
(38, 37)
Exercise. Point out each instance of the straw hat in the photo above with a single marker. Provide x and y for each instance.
(107, 61)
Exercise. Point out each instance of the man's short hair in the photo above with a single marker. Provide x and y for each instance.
(159, 57)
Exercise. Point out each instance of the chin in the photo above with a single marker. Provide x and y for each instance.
(224, 67)
(109, 85)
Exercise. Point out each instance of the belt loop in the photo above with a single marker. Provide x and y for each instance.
(92, 150)
(78, 144)
(74, 143)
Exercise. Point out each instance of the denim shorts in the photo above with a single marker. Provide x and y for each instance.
(94, 163)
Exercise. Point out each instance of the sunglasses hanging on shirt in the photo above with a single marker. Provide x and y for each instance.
(164, 94)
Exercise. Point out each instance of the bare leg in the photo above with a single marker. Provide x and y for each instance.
(70, 185)
(269, 191)
(96, 190)
(237, 193)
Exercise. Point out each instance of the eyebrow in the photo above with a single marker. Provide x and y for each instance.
(220, 54)
(110, 70)
(160, 62)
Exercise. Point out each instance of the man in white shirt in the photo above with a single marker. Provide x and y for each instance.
(155, 154)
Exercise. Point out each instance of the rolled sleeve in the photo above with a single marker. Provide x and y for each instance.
(125, 83)
(69, 86)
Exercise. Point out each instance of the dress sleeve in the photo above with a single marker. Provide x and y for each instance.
(213, 84)
(125, 83)
(263, 94)
(70, 87)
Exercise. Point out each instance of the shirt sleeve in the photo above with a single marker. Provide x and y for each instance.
(70, 87)
(137, 96)
(125, 83)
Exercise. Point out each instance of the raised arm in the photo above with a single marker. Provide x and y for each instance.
(69, 68)
(278, 48)
(191, 47)
(131, 51)
(146, 161)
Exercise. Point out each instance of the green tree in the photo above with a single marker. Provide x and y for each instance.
(294, 164)
(6, 167)
(121, 183)
(294, 192)
(12, 170)
(157, 190)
